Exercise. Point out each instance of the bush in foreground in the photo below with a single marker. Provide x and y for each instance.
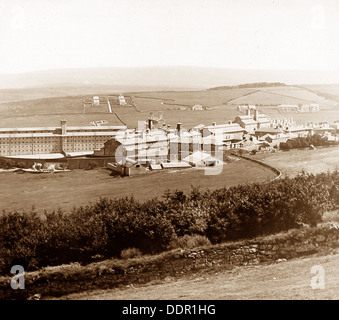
(130, 253)
(182, 220)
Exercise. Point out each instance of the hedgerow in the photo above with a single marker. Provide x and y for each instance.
(303, 142)
(113, 225)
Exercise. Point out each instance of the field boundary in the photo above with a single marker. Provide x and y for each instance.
(117, 273)
(275, 170)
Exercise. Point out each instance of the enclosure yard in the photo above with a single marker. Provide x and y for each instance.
(76, 188)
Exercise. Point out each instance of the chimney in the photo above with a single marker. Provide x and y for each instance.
(179, 128)
(63, 127)
(230, 122)
(256, 115)
(150, 124)
(214, 124)
(248, 111)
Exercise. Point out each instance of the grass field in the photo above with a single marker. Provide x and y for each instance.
(288, 280)
(267, 98)
(77, 188)
(222, 103)
(208, 98)
(294, 161)
(330, 91)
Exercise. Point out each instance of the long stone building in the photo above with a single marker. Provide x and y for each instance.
(49, 140)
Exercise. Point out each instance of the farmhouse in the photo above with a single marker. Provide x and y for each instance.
(122, 100)
(197, 107)
(288, 108)
(309, 108)
(96, 101)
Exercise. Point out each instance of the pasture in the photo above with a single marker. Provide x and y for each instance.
(221, 106)
(292, 162)
(65, 190)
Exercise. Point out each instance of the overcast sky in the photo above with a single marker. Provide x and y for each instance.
(246, 34)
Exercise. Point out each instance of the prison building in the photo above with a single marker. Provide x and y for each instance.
(230, 133)
(48, 140)
(140, 147)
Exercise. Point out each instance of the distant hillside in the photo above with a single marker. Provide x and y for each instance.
(251, 85)
(162, 77)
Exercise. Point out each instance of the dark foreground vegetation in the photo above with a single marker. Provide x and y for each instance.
(108, 227)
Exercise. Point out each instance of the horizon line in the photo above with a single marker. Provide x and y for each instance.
(164, 66)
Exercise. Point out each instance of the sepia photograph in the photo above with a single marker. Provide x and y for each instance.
(169, 155)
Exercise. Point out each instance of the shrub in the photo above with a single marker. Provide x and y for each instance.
(190, 242)
(130, 253)
(20, 236)
(92, 165)
(178, 220)
(21, 165)
(7, 163)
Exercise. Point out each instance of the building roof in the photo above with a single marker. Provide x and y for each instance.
(247, 120)
(225, 128)
(281, 136)
(38, 156)
(198, 157)
(216, 140)
(156, 166)
(263, 118)
(50, 134)
(47, 129)
(298, 128)
(79, 154)
(269, 130)
(199, 126)
(170, 165)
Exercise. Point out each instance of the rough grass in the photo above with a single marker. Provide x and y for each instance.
(48, 109)
(22, 191)
(288, 280)
(292, 162)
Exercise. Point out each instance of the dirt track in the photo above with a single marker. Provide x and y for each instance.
(288, 280)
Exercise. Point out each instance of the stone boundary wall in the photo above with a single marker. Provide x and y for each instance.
(272, 249)
(66, 279)
(275, 170)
